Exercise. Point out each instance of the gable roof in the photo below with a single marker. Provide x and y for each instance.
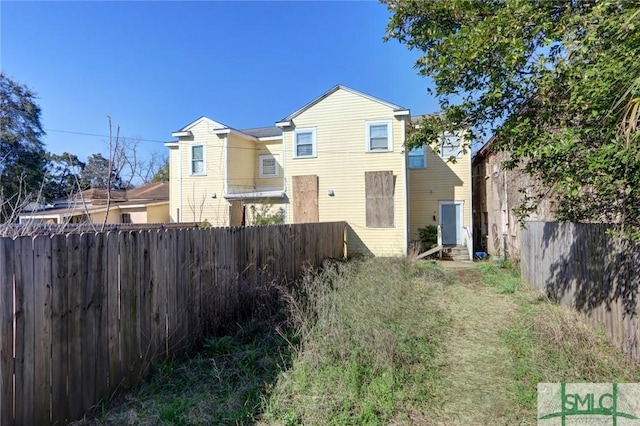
(332, 91)
(215, 124)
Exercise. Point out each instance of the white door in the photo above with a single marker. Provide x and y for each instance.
(451, 222)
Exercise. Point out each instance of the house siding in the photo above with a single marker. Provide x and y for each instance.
(441, 180)
(269, 148)
(341, 162)
(197, 203)
(174, 184)
(241, 161)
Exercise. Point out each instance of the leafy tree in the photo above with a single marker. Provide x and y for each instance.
(22, 154)
(557, 82)
(63, 176)
(162, 173)
(100, 172)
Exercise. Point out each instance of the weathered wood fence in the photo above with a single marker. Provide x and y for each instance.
(583, 267)
(82, 314)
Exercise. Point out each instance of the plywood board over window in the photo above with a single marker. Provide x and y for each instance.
(379, 189)
(305, 198)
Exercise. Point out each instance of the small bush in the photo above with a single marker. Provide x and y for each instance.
(428, 237)
(263, 215)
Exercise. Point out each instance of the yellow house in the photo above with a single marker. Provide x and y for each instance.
(341, 157)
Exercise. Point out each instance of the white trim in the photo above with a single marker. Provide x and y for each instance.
(401, 112)
(229, 130)
(182, 134)
(225, 151)
(286, 123)
(255, 195)
(261, 159)
(204, 159)
(407, 201)
(461, 216)
(270, 138)
(175, 144)
(314, 144)
(367, 135)
(212, 124)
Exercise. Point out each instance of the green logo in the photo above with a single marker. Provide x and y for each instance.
(589, 404)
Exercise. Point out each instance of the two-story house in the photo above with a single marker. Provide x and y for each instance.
(341, 157)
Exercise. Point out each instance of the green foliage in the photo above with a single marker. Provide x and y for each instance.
(369, 334)
(264, 215)
(162, 175)
(22, 154)
(556, 82)
(63, 176)
(428, 237)
(100, 172)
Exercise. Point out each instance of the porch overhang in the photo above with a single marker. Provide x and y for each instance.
(255, 195)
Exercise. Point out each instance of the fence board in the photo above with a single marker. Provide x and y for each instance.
(93, 310)
(24, 332)
(59, 329)
(42, 281)
(583, 267)
(113, 309)
(75, 288)
(6, 330)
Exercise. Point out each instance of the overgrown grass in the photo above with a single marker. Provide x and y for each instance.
(501, 275)
(369, 338)
(549, 344)
(224, 384)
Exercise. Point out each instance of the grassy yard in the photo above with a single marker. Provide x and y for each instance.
(380, 341)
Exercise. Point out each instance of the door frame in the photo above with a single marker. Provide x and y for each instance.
(460, 218)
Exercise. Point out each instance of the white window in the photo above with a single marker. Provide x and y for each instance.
(450, 146)
(417, 159)
(197, 160)
(268, 166)
(304, 143)
(379, 136)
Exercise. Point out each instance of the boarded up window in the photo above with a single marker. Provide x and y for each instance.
(379, 188)
(305, 199)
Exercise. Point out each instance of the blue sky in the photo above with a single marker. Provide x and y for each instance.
(156, 66)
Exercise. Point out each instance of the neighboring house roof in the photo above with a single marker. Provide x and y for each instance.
(263, 132)
(335, 89)
(152, 191)
(486, 149)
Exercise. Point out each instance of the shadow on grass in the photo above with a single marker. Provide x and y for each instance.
(224, 383)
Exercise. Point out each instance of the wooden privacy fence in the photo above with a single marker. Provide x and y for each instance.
(81, 314)
(583, 267)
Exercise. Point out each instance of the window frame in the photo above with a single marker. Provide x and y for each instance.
(261, 159)
(367, 135)
(126, 216)
(314, 149)
(444, 138)
(192, 160)
(423, 156)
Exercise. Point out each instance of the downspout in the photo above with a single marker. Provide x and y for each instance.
(225, 165)
(179, 218)
(284, 178)
(406, 189)
(471, 201)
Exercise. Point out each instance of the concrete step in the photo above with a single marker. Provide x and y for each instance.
(456, 253)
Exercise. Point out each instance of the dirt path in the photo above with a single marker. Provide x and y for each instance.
(475, 360)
